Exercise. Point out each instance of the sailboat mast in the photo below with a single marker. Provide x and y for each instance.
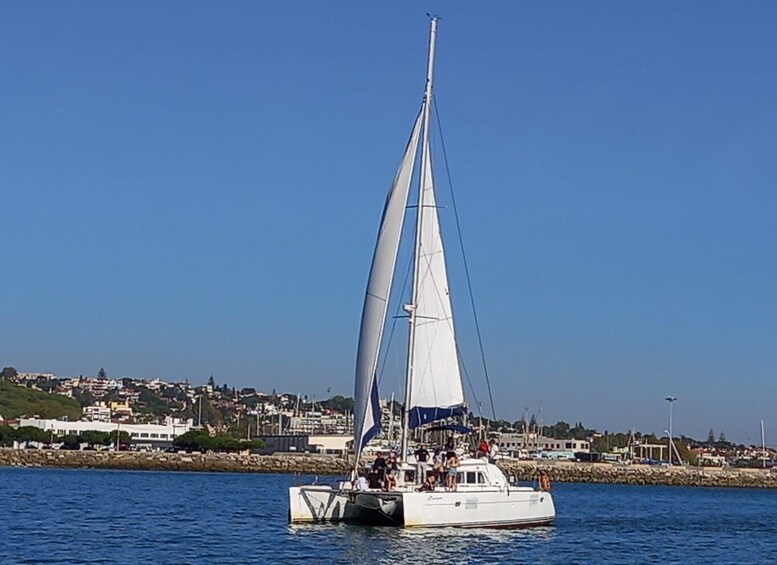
(410, 308)
(763, 444)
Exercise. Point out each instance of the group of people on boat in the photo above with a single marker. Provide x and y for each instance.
(441, 470)
(382, 475)
(489, 450)
(437, 469)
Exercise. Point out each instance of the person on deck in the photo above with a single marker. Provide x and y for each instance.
(439, 458)
(361, 483)
(375, 479)
(493, 451)
(391, 479)
(380, 462)
(391, 462)
(482, 449)
(429, 484)
(452, 469)
(377, 471)
(421, 457)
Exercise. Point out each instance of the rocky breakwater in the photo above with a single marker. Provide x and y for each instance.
(566, 472)
(204, 462)
(562, 472)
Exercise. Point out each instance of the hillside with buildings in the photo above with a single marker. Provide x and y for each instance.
(153, 412)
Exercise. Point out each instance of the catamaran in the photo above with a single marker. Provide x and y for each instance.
(483, 497)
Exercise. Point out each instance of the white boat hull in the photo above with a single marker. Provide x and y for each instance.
(503, 508)
(316, 504)
(508, 508)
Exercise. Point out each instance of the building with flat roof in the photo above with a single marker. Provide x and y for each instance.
(510, 442)
(158, 435)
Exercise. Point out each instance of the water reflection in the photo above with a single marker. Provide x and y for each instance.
(426, 545)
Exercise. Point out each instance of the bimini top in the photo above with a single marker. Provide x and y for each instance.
(450, 427)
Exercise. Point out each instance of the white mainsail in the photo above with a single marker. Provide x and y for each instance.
(435, 390)
(366, 406)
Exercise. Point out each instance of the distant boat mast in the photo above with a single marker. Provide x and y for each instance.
(763, 444)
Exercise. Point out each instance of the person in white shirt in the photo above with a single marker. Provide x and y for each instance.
(493, 451)
(361, 483)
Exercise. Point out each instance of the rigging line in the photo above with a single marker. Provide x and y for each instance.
(469, 381)
(464, 256)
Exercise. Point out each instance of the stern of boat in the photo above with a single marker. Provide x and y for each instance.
(314, 503)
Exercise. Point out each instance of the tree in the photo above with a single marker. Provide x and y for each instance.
(94, 437)
(8, 373)
(25, 433)
(70, 441)
(84, 397)
(711, 437)
(101, 374)
(558, 430)
(211, 382)
(151, 402)
(124, 437)
(338, 403)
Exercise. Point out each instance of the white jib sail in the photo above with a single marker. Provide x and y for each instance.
(366, 408)
(436, 381)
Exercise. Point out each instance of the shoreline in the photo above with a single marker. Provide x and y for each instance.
(559, 471)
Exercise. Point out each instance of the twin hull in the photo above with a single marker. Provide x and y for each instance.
(508, 507)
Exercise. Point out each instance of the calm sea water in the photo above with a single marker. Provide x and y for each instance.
(89, 516)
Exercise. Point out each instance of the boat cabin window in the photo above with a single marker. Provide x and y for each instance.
(472, 478)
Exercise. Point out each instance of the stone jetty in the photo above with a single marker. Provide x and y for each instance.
(159, 461)
(562, 472)
(606, 473)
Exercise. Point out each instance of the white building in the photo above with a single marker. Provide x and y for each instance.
(98, 412)
(534, 442)
(330, 444)
(36, 376)
(159, 434)
(318, 423)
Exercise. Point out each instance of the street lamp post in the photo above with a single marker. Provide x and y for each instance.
(670, 400)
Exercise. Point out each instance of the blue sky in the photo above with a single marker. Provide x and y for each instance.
(194, 188)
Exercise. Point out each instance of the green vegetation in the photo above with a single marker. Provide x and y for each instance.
(27, 433)
(83, 397)
(30, 433)
(201, 441)
(339, 403)
(152, 403)
(16, 401)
